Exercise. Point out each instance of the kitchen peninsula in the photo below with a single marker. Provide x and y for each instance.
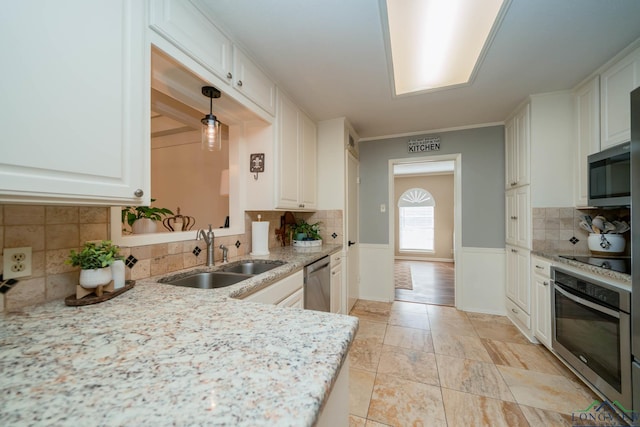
(167, 355)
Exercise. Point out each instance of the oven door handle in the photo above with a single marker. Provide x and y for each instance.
(586, 303)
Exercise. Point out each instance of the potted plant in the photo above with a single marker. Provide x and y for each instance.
(142, 219)
(305, 233)
(94, 260)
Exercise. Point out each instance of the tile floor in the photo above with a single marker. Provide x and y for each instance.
(428, 365)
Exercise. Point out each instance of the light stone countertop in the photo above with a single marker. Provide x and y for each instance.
(166, 355)
(619, 278)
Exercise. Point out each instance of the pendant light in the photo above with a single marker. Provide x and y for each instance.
(211, 135)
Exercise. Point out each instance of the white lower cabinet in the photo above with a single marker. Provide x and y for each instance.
(518, 288)
(287, 292)
(337, 302)
(76, 90)
(541, 284)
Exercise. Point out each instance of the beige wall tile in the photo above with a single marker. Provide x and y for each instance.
(141, 270)
(174, 248)
(16, 236)
(158, 266)
(189, 260)
(1, 214)
(94, 215)
(159, 250)
(25, 293)
(2, 303)
(174, 262)
(55, 261)
(63, 236)
(61, 285)
(61, 214)
(93, 232)
(38, 264)
(23, 214)
(1, 239)
(141, 252)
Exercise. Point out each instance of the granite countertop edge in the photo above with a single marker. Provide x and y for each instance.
(598, 271)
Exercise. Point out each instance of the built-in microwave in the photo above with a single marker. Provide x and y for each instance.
(610, 177)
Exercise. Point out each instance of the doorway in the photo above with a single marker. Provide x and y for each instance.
(424, 224)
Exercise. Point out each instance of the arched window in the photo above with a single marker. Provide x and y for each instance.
(416, 220)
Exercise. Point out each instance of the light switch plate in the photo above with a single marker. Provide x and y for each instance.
(17, 262)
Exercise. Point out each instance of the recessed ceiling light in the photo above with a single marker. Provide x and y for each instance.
(439, 43)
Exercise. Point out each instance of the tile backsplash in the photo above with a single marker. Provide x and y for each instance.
(52, 231)
(557, 230)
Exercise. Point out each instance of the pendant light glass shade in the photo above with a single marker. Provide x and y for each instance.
(211, 134)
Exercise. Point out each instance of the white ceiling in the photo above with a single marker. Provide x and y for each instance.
(329, 55)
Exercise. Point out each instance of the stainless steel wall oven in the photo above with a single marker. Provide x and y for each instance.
(591, 331)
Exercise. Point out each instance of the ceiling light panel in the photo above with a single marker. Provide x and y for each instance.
(437, 43)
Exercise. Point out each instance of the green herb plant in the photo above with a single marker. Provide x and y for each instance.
(132, 213)
(94, 255)
(311, 230)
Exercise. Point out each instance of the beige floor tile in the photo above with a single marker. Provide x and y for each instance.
(417, 339)
(409, 320)
(472, 376)
(368, 329)
(540, 417)
(465, 409)
(409, 364)
(398, 402)
(460, 346)
(365, 354)
(371, 310)
(499, 331)
(360, 389)
(452, 326)
(408, 307)
(437, 311)
(355, 421)
(545, 391)
(488, 318)
(523, 356)
(371, 423)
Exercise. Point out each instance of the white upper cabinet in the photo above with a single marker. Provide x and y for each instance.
(296, 143)
(586, 107)
(517, 142)
(252, 82)
(75, 91)
(617, 82)
(184, 25)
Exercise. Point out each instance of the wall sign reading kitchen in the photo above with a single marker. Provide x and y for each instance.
(424, 144)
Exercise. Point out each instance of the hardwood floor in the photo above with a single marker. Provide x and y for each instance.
(432, 282)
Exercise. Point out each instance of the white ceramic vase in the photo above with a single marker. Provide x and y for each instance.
(94, 278)
(144, 226)
(609, 244)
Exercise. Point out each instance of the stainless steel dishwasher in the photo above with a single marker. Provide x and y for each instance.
(317, 285)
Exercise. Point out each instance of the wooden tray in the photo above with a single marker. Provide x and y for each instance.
(73, 301)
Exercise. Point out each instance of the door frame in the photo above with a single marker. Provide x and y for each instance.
(352, 282)
(457, 213)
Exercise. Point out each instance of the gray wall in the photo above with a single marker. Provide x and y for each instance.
(482, 172)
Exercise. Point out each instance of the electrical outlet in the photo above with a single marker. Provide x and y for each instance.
(17, 262)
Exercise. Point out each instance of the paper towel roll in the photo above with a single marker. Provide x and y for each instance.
(260, 238)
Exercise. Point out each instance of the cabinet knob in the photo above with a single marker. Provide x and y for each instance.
(539, 267)
(514, 310)
(138, 193)
(301, 205)
(229, 75)
(514, 251)
(239, 83)
(545, 283)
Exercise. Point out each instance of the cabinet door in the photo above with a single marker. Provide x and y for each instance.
(512, 273)
(336, 290)
(511, 217)
(77, 83)
(308, 169)
(542, 322)
(587, 128)
(184, 25)
(252, 82)
(523, 136)
(287, 145)
(511, 165)
(518, 277)
(296, 300)
(616, 84)
(523, 217)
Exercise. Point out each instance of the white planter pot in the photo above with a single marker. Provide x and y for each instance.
(307, 243)
(144, 226)
(606, 244)
(94, 278)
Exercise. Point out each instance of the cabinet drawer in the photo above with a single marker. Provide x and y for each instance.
(541, 266)
(294, 300)
(516, 313)
(336, 259)
(279, 291)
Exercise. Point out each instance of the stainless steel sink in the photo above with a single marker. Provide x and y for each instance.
(252, 267)
(207, 280)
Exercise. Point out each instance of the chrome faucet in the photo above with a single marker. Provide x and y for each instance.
(225, 251)
(208, 238)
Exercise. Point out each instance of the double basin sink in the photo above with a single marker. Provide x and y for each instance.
(226, 276)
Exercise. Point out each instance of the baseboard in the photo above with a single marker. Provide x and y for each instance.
(410, 258)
